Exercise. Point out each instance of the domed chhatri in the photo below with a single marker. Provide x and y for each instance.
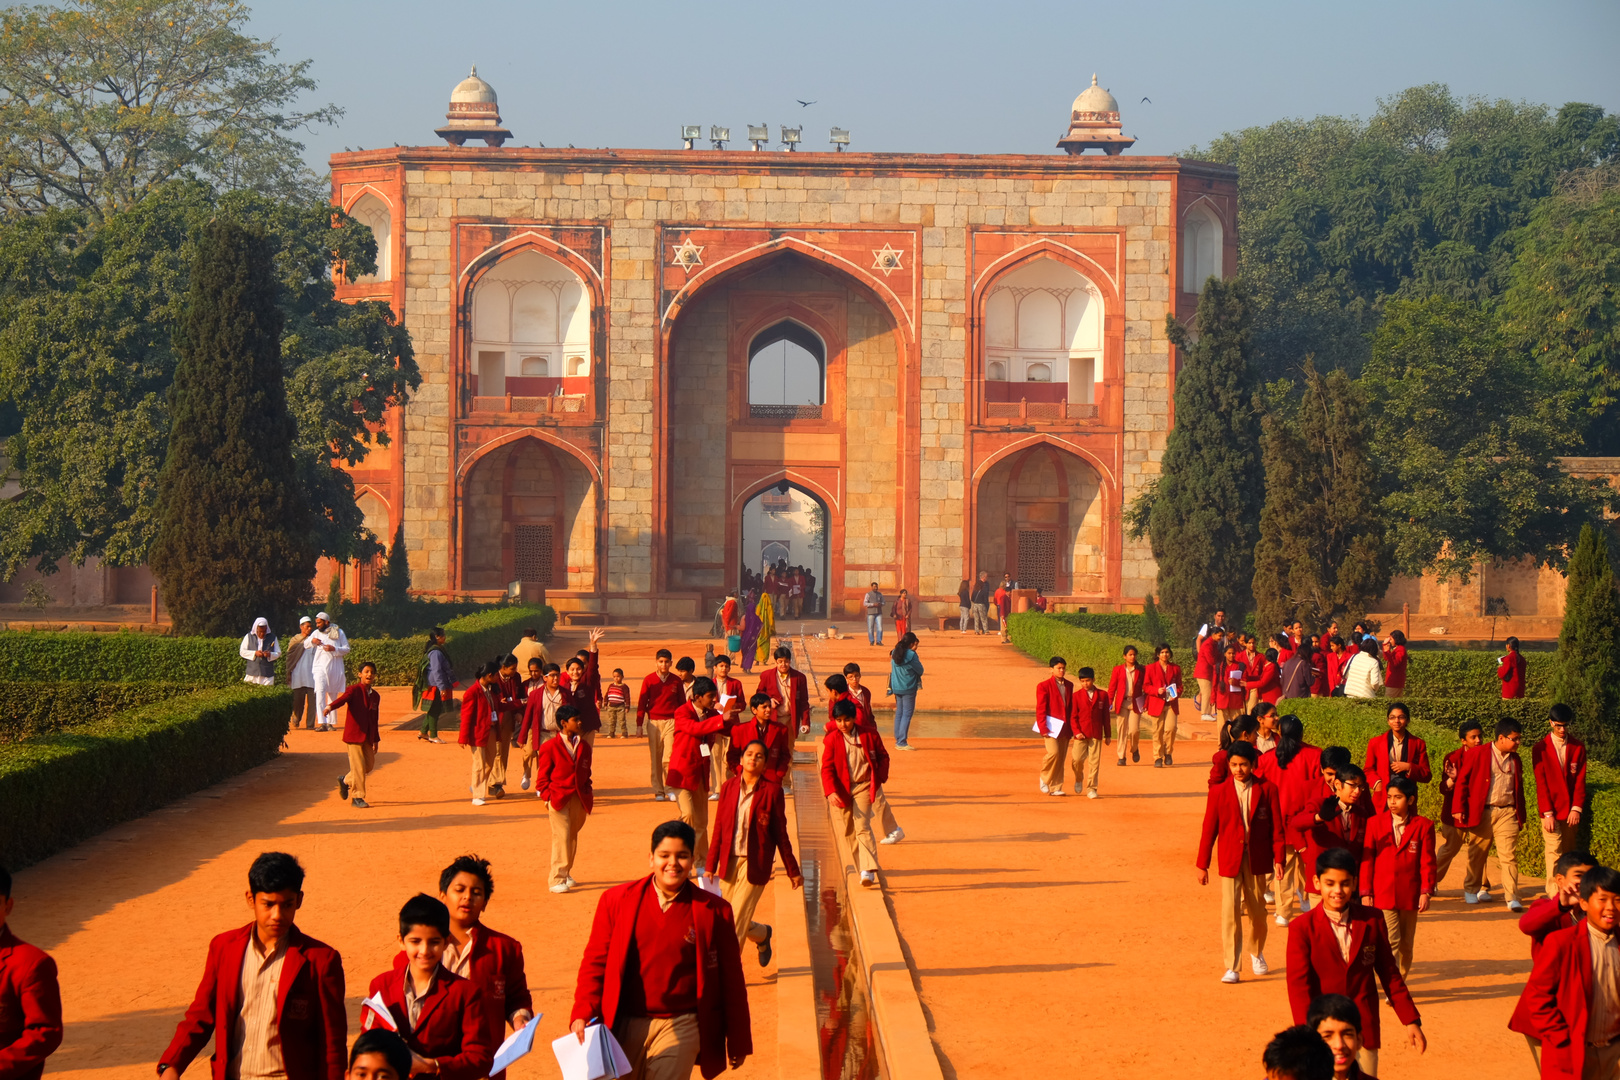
(473, 114)
(1094, 122)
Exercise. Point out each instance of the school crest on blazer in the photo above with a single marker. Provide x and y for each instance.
(1369, 953)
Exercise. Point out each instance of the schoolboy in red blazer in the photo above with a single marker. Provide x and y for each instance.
(1397, 867)
(30, 1000)
(490, 960)
(778, 739)
(1320, 961)
(1243, 815)
(449, 1022)
(696, 724)
(1396, 753)
(1449, 836)
(478, 716)
(1339, 821)
(1054, 719)
(1550, 913)
(1482, 821)
(1512, 670)
(1557, 1001)
(309, 1018)
(854, 768)
(731, 705)
(662, 692)
(783, 682)
(762, 833)
(686, 984)
(1243, 729)
(360, 734)
(1559, 763)
(563, 778)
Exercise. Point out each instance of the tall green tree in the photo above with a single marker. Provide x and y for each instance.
(394, 583)
(103, 101)
(1586, 672)
(1471, 432)
(1202, 514)
(1322, 552)
(234, 539)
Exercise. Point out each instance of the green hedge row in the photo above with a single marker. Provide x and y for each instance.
(1046, 636)
(61, 788)
(131, 657)
(29, 709)
(1121, 624)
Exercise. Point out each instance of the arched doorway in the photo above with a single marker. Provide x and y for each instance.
(784, 532)
(530, 516)
(1040, 519)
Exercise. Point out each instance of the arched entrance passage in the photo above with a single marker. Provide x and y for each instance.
(1040, 518)
(529, 515)
(784, 532)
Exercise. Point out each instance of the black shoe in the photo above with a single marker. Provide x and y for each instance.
(765, 949)
(498, 792)
(1136, 755)
(343, 787)
(360, 804)
(1169, 759)
(1157, 764)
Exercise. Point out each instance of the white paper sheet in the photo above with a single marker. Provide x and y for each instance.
(599, 1056)
(384, 1018)
(517, 1045)
(1051, 727)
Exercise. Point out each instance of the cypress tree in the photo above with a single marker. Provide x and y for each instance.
(1322, 550)
(1586, 673)
(395, 587)
(1203, 521)
(1153, 627)
(234, 535)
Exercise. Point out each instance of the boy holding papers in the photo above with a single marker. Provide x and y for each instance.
(439, 1014)
(489, 959)
(1054, 717)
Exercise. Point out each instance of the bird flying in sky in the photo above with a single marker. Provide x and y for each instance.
(806, 104)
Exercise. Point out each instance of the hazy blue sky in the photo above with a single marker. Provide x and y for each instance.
(942, 76)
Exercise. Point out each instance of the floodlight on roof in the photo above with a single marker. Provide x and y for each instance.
(791, 136)
(719, 136)
(691, 133)
(840, 138)
(759, 135)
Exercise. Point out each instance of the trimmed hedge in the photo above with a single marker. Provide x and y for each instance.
(197, 661)
(1471, 673)
(1117, 624)
(59, 789)
(1045, 636)
(29, 709)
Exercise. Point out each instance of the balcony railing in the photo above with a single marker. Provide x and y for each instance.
(551, 403)
(1024, 409)
(784, 413)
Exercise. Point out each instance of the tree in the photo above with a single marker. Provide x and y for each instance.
(394, 583)
(1322, 551)
(103, 101)
(1470, 432)
(1202, 513)
(234, 539)
(1586, 672)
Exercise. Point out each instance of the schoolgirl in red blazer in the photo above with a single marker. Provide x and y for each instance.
(778, 739)
(1385, 752)
(1229, 689)
(581, 686)
(1395, 663)
(835, 763)
(1262, 680)
(1133, 674)
(30, 1001)
(1512, 670)
(450, 1026)
(1163, 675)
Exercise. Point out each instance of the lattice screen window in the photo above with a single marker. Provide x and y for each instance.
(1037, 559)
(531, 545)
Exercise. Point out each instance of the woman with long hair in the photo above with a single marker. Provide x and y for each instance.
(905, 679)
(1364, 674)
(1292, 767)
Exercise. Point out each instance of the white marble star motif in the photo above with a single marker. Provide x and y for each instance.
(886, 259)
(688, 256)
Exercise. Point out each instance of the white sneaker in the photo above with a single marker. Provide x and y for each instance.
(539, 794)
(1470, 897)
(715, 797)
(1044, 789)
(868, 878)
(1269, 898)
(1281, 920)
(571, 882)
(1230, 977)
(1092, 794)
(1515, 906)
(525, 784)
(560, 888)
(1258, 965)
(894, 837)
(1058, 791)
(478, 802)
(658, 796)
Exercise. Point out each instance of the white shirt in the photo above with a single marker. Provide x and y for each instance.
(1363, 678)
(328, 666)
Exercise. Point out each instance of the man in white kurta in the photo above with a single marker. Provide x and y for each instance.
(330, 645)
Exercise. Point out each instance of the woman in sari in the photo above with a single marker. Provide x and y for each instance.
(750, 633)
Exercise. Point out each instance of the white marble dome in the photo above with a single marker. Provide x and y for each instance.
(473, 90)
(1096, 101)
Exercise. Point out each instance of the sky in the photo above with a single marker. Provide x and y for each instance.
(936, 77)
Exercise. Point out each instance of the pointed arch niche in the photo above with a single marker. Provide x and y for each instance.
(531, 338)
(1040, 518)
(371, 211)
(1043, 344)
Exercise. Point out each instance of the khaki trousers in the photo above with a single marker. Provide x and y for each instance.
(660, 741)
(483, 759)
(1052, 760)
(529, 755)
(1602, 1062)
(857, 825)
(1450, 843)
(1243, 916)
(694, 807)
(1560, 840)
(743, 896)
(659, 1048)
(717, 761)
(1367, 1060)
(1402, 927)
(1085, 760)
(1130, 731)
(1164, 735)
(883, 813)
(590, 738)
(1287, 889)
(1502, 827)
(362, 759)
(565, 826)
(615, 722)
(1206, 697)
(503, 751)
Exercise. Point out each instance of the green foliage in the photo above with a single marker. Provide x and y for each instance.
(1471, 432)
(1322, 551)
(1045, 636)
(234, 536)
(61, 788)
(1470, 673)
(394, 583)
(1586, 674)
(30, 709)
(107, 99)
(1336, 216)
(1205, 506)
(1153, 627)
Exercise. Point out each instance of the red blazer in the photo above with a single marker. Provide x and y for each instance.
(1545, 916)
(1264, 679)
(778, 740)
(1394, 668)
(723, 1024)
(1336, 663)
(1157, 680)
(1337, 833)
(688, 768)
(767, 833)
(585, 698)
(769, 685)
(1296, 784)
(1474, 786)
(1448, 788)
(30, 1008)
(360, 719)
(509, 695)
(1317, 967)
(496, 969)
(1091, 714)
(1051, 701)
(452, 1027)
(1116, 688)
(1225, 697)
(532, 731)
(734, 708)
(1376, 766)
(1558, 789)
(1204, 658)
(1223, 818)
(1556, 1001)
(477, 717)
(1511, 670)
(1396, 877)
(835, 762)
(559, 775)
(864, 716)
(660, 697)
(310, 1013)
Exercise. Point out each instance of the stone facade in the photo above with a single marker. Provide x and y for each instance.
(651, 439)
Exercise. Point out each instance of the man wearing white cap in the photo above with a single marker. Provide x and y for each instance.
(261, 651)
(301, 675)
(330, 645)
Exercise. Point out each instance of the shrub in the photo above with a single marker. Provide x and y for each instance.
(59, 789)
(1045, 636)
(1118, 624)
(29, 709)
(1470, 673)
(1586, 675)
